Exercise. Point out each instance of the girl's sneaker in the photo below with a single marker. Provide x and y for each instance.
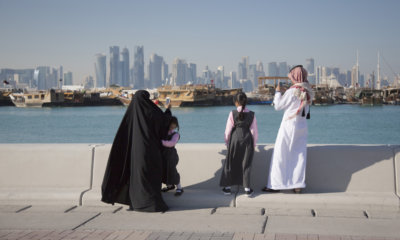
(178, 192)
(226, 191)
(249, 193)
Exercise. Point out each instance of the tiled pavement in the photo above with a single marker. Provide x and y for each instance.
(150, 235)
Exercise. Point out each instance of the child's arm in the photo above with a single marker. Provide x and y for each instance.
(229, 126)
(173, 141)
(254, 131)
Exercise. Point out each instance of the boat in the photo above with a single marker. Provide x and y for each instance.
(265, 92)
(391, 96)
(322, 97)
(370, 97)
(196, 95)
(5, 99)
(47, 98)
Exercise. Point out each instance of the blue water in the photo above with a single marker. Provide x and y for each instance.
(338, 124)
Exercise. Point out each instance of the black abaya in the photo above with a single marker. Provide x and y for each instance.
(134, 171)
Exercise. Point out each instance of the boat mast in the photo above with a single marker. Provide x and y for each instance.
(377, 81)
(357, 71)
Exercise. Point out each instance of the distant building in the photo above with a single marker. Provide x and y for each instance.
(88, 82)
(19, 76)
(155, 67)
(253, 76)
(336, 72)
(164, 73)
(234, 82)
(283, 72)
(361, 80)
(310, 65)
(272, 69)
(60, 73)
(220, 77)
(43, 71)
(206, 76)
(178, 72)
(245, 62)
(138, 68)
(114, 65)
(125, 68)
(100, 70)
(241, 71)
(67, 78)
(193, 72)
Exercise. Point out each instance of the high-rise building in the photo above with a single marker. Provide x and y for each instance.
(272, 69)
(253, 76)
(100, 70)
(220, 77)
(241, 72)
(245, 62)
(164, 73)
(138, 68)
(178, 72)
(310, 65)
(283, 69)
(260, 67)
(43, 71)
(114, 65)
(67, 78)
(193, 71)
(234, 82)
(353, 77)
(336, 72)
(155, 67)
(125, 68)
(60, 74)
(318, 75)
(88, 82)
(361, 80)
(206, 76)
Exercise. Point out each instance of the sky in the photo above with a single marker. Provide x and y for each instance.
(214, 33)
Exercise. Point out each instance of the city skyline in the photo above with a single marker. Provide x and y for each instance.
(335, 46)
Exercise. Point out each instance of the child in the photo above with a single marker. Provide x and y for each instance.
(171, 176)
(241, 136)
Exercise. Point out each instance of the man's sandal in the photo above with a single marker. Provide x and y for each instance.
(265, 189)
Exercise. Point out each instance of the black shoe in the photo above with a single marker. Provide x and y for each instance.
(166, 189)
(179, 192)
(265, 189)
(226, 191)
(249, 193)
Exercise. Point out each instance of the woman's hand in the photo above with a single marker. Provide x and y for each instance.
(169, 106)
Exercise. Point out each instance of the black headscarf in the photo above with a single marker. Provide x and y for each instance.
(134, 171)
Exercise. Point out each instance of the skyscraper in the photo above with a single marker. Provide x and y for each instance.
(88, 82)
(125, 68)
(155, 66)
(138, 68)
(43, 71)
(68, 78)
(100, 70)
(245, 61)
(60, 72)
(206, 76)
(272, 69)
(283, 72)
(241, 72)
(164, 73)
(253, 75)
(178, 72)
(310, 65)
(234, 82)
(220, 74)
(193, 71)
(114, 63)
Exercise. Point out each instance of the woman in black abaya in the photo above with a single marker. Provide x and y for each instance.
(134, 170)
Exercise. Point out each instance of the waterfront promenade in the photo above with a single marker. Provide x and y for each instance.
(352, 191)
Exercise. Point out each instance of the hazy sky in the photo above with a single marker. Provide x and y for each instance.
(217, 33)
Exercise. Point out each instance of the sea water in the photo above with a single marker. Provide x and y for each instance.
(336, 124)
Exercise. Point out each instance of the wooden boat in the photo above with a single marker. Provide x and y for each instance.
(47, 98)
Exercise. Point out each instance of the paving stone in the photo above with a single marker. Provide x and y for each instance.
(205, 238)
(239, 211)
(218, 234)
(176, 234)
(340, 213)
(47, 209)
(119, 235)
(356, 238)
(161, 234)
(179, 237)
(185, 210)
(289, 212)
(163, 237)
(5, 232)
(345, 238)
(228, 234)
(373, 238)
(96, 209)
(194, 238)
(12, 208)
(35, 235)
(201, 234)
(187, 234)
(312, 236)
(221, 238)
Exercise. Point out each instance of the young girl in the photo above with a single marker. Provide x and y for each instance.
(241, 136)
(171, 176)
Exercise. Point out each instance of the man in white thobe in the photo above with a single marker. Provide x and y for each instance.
(288, 163)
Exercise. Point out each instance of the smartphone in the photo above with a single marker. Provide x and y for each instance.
(167, 101)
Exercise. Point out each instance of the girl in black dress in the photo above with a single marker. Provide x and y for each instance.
(240, 137)
(171, 176)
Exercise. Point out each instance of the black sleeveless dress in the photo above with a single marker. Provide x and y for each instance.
(171, 159)
(239, 158)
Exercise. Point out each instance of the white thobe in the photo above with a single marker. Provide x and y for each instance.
(288, 163)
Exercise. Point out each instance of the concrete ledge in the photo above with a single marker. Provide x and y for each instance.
(44, 173)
